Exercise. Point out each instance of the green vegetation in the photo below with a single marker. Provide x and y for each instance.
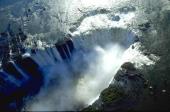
(111, 94)
(108, 96)
(158, 75)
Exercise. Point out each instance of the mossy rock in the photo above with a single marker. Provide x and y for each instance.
(111, 94)
(128, 66)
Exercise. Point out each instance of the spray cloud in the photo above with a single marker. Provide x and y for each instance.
(74, 84)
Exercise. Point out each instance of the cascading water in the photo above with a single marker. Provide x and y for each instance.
(84, 74)
(78, 69)
(73, 71)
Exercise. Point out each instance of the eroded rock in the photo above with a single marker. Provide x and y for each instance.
(123, 93)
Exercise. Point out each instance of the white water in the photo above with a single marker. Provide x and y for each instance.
(72, 84)
(100, 44)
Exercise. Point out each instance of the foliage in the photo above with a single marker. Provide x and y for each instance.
(111, 94)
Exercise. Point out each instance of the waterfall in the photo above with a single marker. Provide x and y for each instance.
(79, 68)
(70, 74)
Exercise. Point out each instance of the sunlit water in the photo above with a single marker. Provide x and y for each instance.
(102, 43)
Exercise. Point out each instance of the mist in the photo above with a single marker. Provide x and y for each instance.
(75, 83)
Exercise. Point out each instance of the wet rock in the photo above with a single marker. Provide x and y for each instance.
(127, 9)
(103, 11)
(72, 29)
(123, 93)
(128, 66)
(144, 26)
(115, 18)
(133, 47)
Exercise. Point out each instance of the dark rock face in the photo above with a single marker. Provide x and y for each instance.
(11, 70)
(11, 44)
(127, 9)
(21, 76)
(123, 93)
(115, 18)
(70, 45)
(12, 94)
(65, 49)
(145, 26)
(27, 76)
